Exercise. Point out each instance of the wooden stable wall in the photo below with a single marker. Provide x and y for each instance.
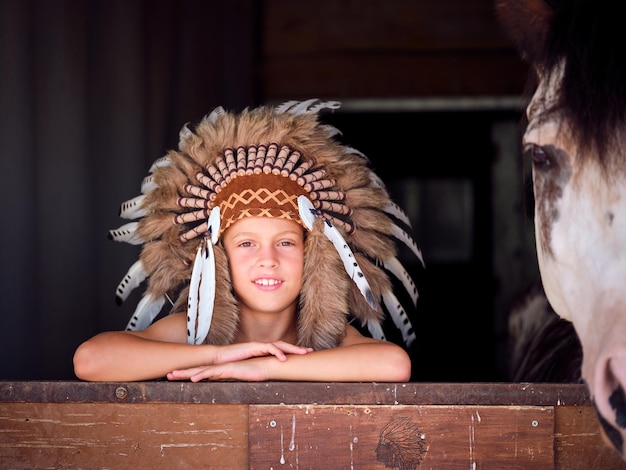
(234, 425)
(383, 49)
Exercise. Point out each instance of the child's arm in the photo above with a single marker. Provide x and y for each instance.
(357, 359)
(160, 348)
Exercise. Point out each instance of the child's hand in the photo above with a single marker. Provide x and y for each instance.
(252, 370)
(240, 351)
(237, 361)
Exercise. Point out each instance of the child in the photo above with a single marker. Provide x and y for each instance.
(271, 236)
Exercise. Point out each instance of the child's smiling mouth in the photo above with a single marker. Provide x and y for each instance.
(267, 282)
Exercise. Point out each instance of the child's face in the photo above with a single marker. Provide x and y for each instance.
(266, 257)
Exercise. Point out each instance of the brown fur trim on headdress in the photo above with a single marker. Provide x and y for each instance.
(324, 302)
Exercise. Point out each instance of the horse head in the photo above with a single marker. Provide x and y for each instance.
(575, 136)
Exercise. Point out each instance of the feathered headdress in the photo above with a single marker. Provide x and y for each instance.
(273, 162)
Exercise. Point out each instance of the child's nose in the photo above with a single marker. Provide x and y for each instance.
(268, 257)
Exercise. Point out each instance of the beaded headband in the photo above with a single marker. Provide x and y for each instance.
(269, 162)
(260, 181)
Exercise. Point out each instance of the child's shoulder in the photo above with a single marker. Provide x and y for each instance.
(171, 328)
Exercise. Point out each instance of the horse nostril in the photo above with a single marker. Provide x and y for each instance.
(609, 399)
(617, 398)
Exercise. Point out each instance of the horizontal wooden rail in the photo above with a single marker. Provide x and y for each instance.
(72, 424)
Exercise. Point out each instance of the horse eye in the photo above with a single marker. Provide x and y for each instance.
(539, 156)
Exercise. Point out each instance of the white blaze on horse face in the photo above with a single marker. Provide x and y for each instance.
(580, 227)
(580, 231)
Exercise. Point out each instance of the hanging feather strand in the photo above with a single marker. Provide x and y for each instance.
(308, 215)
(147, 310)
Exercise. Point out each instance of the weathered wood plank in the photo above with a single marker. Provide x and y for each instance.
(312, 26)
(369, 393)
(578, 444)
(78, 435)
(75, 422)
(392, 75)
(407, 48)
(450, 437)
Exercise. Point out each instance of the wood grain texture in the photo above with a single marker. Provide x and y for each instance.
(335, 393)
(450, 437)
(578, 444)
(160, 424)
(405, 48)
(118, 436)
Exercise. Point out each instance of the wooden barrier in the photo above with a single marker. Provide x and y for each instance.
(280, 425)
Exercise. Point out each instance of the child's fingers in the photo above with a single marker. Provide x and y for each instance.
(184, 373)
(292, 348)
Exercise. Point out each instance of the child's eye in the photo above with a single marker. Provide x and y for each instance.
(245, 244)
(286, 243)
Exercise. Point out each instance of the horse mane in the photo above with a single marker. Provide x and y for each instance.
(590, 38)
(542, 347)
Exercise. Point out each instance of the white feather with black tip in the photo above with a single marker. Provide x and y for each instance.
(404, 237)
(134, 277)
(308, 214)
(307, 106)
(147, 310)
(395, 210)
(148, 184)
(202, 285)
(353, 151)
(375, 179)
(375, 330)
(217, 112)
(395, 267)
(132, 209)
(399, 317)
(285, 106)
(127, 233)
(161, 162)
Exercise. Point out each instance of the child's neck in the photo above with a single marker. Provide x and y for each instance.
(267, 327)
